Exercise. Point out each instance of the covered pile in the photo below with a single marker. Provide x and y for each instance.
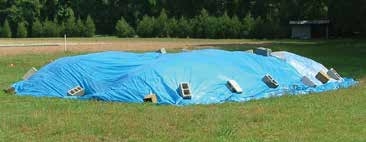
(129, 77)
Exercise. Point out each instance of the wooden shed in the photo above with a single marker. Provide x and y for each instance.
(307, 29)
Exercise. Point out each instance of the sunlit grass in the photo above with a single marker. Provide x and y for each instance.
(330, 116)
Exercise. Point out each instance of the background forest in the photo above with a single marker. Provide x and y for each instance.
(176, 18)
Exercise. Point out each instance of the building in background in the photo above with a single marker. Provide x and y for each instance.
(309, 29)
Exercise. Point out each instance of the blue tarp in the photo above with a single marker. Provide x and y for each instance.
(129, 77)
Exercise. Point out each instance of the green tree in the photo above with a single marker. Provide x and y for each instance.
(172, 27)
(21, 30)
(235, 27)
(259, 28)
(347, 17)
(247, 26)
(145, 27)
(272, 28)
(70, 26)
(184, 28)
(123, 29)
(200, 24)
(161, 26)
(61, 29)
(6, 30)
(213, 28)
(50, 29)
(225, 30)
(89, 27)
(79, 28)
(36, 29)
(64, 12)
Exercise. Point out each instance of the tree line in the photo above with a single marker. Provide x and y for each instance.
(50, 28)
(201, 26)
(176, 18)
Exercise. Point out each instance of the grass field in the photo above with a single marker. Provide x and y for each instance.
(332, 116)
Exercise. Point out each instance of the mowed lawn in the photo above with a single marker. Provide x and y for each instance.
(331, 116)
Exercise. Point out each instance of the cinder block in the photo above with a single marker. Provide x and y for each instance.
(249, 51)
(185, 90)
(76, 91)
(263, 51)
(333, 74)
(162, 51)
(29, 73)
(322, 77)
(269, 81)
(307, 81)
(10, 90)
(151, 98)
(234, 86)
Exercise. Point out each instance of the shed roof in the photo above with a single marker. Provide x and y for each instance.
(304, 22)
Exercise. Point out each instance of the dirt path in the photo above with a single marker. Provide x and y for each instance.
(16, 47)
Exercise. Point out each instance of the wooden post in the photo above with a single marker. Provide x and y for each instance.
(65, 47)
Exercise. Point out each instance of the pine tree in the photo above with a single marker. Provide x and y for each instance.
(79, 28)
(235, 27)
(145, 27)
(248, 26)
(21, 30)
(213, 27)
(123, 29)
(37, 29)
(259, 28)
(200, 24)
(50, 29)
(89, 27)
(70, 27)
(161, 26)
(225, 29)
(172, 28)
(6, 31)
(60, 28)
(184, 28)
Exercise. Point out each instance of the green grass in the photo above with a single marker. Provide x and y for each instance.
(332, 116)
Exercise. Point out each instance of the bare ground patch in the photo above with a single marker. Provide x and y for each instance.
(38, 46)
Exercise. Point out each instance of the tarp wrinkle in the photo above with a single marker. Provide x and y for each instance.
(129, 77)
